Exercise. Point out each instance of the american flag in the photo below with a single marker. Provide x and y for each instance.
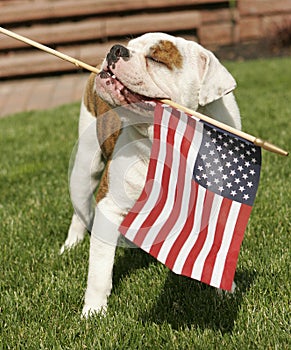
(197, 199)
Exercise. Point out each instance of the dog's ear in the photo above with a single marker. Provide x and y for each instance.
(216, 81)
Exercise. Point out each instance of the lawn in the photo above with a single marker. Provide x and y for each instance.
(150, 307)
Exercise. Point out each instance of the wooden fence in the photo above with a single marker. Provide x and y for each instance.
(86, 29)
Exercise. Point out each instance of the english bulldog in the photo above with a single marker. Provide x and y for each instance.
(115, 158)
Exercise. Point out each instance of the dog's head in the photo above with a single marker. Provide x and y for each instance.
(157, 65)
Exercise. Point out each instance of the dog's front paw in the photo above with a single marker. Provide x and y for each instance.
(96, 310)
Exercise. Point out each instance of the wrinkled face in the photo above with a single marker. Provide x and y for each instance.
(157, 65)
(148, 68)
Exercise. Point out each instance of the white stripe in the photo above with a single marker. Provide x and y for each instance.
(200, 261)
(155, 192)
(190, 241)
(191, 158)
(225, 244)
(172, 184)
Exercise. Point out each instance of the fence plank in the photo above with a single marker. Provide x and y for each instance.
(101, 28)
(26, 11)
(261, 7)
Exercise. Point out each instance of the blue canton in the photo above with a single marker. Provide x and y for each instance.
(228, 165)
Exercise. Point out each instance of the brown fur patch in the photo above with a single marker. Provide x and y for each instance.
(167, 53)
(108, 129)
(108, 122)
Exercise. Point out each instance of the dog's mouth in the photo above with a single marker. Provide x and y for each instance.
(124, 95)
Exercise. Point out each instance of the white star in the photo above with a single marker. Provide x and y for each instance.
(225, 144)
(212, 172)
(253, 150)
(230, 152)
(246, 196)
(242, 156)
(228, 164)
(219, 148)
(200, 168)
(216, 181)
(240, 168)
(236, 148)
(207, 144)
(214, 140)
(216, 160)
(208, 183)
(198, 177)
(247, 164)
(233, 193)
(232, 172)
(229, 185)
(231, 141)
(235, 160)
(248, 152)
(241, 188)
(223, 156)
(252, 172)
(208, 132)
(220, 168)
(254, 160)
(242, 145)
(204, 176)
(250, 184)
(203, 157)
(220, 137)
(224, 177)
(220, 188)
(208, 165)
(212, 153)
(245, 176)
(237, 180)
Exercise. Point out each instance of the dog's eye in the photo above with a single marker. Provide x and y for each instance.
(153, 59)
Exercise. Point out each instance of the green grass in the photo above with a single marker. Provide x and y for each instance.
(150, 307)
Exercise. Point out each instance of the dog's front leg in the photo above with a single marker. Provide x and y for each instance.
(103, 242)
(84, 179)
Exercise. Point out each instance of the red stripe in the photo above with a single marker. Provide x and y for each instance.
(130, 217)
(219, 230)
(186, 230)
(175, 212)
(189, 263)
(232, 255)
(155, 212)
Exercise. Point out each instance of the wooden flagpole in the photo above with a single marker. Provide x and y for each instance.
(257, 141)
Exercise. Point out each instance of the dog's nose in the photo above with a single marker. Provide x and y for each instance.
(116, 52)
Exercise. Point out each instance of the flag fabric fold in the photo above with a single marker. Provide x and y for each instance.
(198, 195)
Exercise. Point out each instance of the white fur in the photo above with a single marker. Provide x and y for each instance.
(202, 84)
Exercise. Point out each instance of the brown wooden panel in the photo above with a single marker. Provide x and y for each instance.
(27, 11)
(216, 34)
(219, 15)
(260, 7)
(250, 28)
(152, 22)
(37, 62)
(99, 28)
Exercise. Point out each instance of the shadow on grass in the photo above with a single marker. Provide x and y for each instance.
(131, 260)
(184, 302)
